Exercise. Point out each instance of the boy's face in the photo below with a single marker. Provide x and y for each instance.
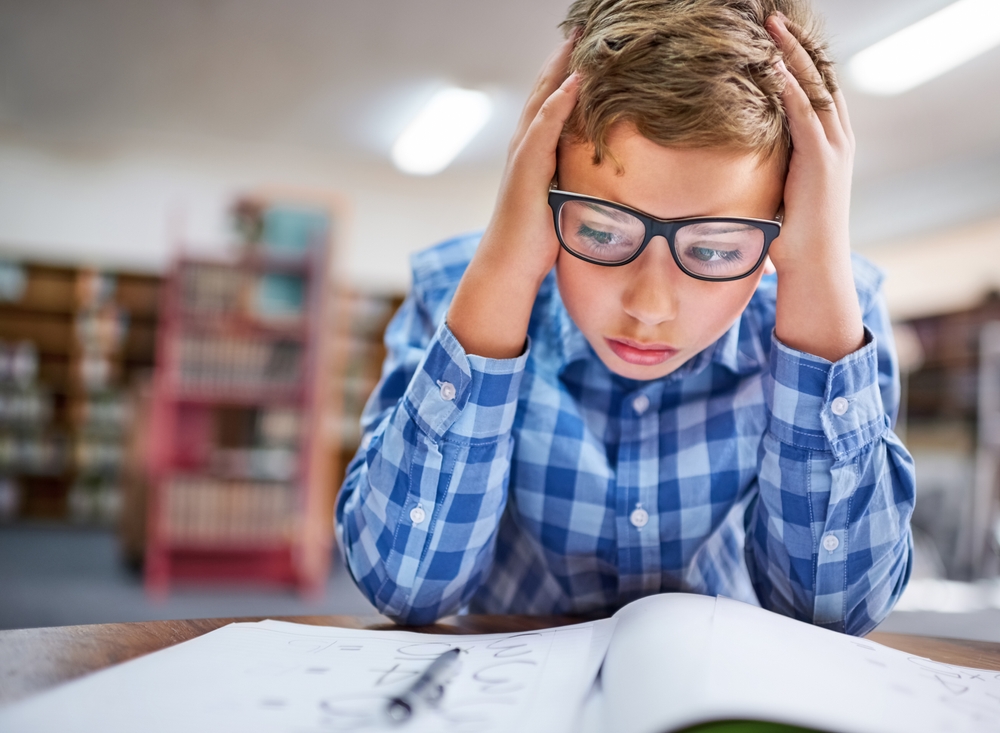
(646, 318)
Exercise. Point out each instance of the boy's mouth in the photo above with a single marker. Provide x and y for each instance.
(635, 352)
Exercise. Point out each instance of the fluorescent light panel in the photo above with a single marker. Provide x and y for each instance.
(440, 131)
(928, 48)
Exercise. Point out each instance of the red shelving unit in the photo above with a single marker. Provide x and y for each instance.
(239, 474)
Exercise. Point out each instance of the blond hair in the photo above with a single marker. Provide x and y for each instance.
(688, 73)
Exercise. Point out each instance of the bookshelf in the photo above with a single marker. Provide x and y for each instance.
(358, 352)
(71, 340)
(948, 401)
(238, 472)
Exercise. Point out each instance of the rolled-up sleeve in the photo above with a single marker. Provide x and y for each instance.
(418, 512)
(828, 536)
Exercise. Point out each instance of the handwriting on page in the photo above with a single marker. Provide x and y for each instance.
(491, 677)
(277, 677)
(343, 684)
(972, 693)
(832, 681)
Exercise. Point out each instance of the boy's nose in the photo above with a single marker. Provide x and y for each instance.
(651, 293)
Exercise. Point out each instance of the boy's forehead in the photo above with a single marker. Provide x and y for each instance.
(671, 182)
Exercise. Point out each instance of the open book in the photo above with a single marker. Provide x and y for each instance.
(670, 662)
(679, 661)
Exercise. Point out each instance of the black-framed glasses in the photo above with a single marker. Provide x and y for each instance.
(716, 248)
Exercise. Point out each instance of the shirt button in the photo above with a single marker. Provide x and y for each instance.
(417, 514)
(640, 404)
(639, 518)
(447, 391)
(830, 543)
(839, 406)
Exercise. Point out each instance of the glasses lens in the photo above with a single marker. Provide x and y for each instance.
(719, 249)
(601, 233)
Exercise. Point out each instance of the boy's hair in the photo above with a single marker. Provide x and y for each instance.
(688, 73)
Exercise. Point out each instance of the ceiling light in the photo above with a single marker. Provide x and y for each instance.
(445, 125)
(928, 48)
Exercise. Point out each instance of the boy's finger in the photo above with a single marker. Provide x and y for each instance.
(801, 66)
(542, 136)
(553, 74)
(845, 118)
(803, 122)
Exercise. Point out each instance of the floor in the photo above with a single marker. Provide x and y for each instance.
(61, 576)
(56, 576)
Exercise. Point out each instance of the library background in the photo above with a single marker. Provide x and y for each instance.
(206, 214)
(207, 415)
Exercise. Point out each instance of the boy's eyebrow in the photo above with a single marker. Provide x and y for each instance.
(610, 212)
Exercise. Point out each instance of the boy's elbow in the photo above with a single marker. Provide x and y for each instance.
(399, 603)
(391, 601)
(428, 600)
(875, 605)
(405, 607)
(408, 615)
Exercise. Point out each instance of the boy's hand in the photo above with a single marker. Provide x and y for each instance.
(817, 309)
(490, 312)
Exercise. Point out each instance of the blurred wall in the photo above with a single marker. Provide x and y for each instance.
(132, 207)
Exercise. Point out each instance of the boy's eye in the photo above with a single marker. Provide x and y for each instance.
(600, 232)
(708, 254)
(719, 249)
(596, 235)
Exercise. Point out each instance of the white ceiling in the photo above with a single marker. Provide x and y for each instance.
(338, 79)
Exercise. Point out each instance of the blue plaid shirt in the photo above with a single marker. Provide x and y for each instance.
(547, 484)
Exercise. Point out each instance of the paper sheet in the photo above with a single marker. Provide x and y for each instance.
(293, 678)
(680, 660)
(828, 680)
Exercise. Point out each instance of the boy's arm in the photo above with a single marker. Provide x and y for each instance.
(817, 310)
(418, 512)
(828, 537)
(493, 303)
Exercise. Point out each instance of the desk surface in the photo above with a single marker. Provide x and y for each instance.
(33, 660)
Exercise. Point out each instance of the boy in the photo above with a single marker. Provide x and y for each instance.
(602, 397)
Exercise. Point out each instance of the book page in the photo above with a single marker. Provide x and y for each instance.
(655, 670)
(764, 665)
(294, 678)
(679, 660)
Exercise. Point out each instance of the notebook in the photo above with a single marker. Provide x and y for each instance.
(671, 662)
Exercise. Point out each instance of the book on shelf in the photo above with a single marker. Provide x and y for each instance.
(279, 297)
(211, 289)
(18, 363)
(289, 231)
(71, 339)
(210, 511)
(239, 363)
(357, 343)
(32, 445)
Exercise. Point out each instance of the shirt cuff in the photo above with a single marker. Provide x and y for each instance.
(821, 405)
(461, 396)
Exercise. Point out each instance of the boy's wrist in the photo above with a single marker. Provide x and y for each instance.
(817, 310)
(823, 406)
(491, 309)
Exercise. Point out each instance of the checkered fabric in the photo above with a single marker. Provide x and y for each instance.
(546, 484)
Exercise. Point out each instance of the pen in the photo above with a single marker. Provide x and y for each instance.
(428, 687)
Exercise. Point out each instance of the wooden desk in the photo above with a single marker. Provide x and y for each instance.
(33, 660)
